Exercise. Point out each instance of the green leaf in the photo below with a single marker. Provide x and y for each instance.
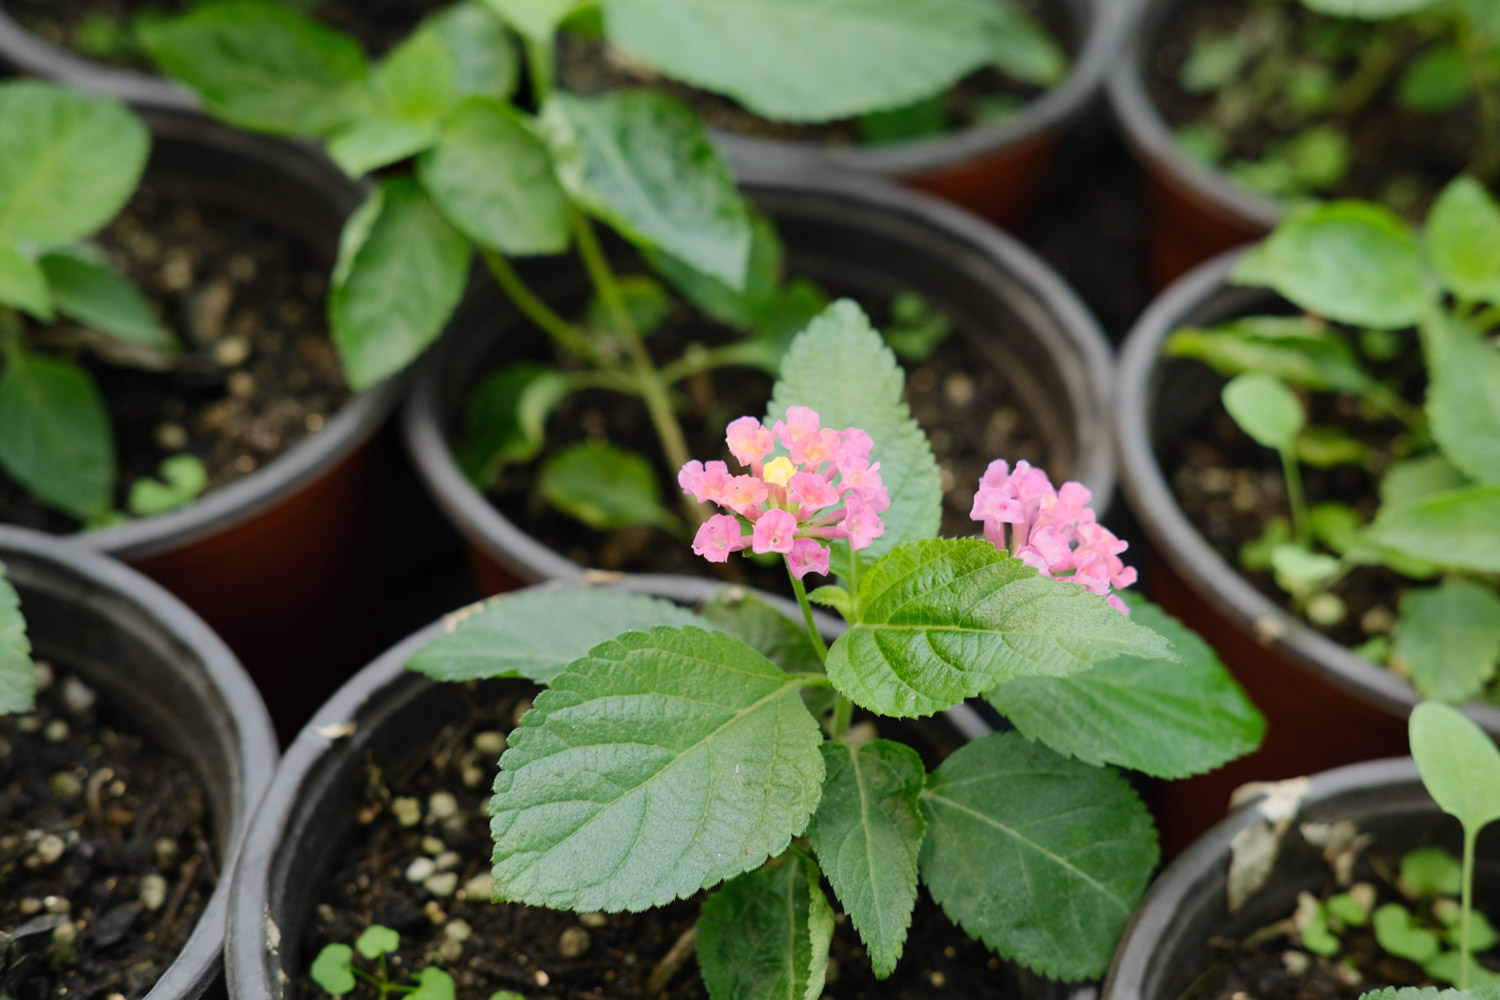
(17, 674)
(1372, 10)
(841, 367)
(23, 284)
(184, 479)
(1459, 529)
(1329, 447)
(647, 305)
(1445, 967)
(415, 81)
(1349, 261)
(536, 633)
(640, 162)
(1459, 764)
(70, 164)
(741, 308)
(939, 621)
(1414, 478)
(1463, 397)
(1485, 992)
(263, 66)
(536, 19)
(94, 294)
(371, 143)
(766, 934)
(1317, 936)
(433, 984)
(1448, 639)
(1025, 52)
(1265, 409)
(605, 487)
(54, 434)
(402, 269)
(916, 330)
(333, 969)
(833, 597)
(867, 833)
(1463, 240)
(1436, 81)
(1482, 936)
(764, 629)
(377, 940)
(1041, 858)
(481, 52)
(1298, 350)
(1431, 871)
(646, 730)
(1168, 720)
(1399, 934)
(1213, 62)
(920, 120)
(1348, 910)
(505, 420)
(833, 59)
(1300, 571)
(492, 178)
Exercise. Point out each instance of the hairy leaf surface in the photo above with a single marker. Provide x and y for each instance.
(17, 677)
(766, 934)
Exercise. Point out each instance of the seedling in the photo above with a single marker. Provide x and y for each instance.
(17, 673)
(741, 718)
(334, 970)
(1364, 279)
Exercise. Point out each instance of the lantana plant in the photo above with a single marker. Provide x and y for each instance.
(675, 752)
(17, 676)
(1374, 293)
(68, 165)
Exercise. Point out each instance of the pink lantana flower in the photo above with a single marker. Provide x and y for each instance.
(1052, 530)
(822, 489)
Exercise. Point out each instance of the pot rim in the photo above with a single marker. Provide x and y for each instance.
(1083, 343)
(33, 55)
(1175, 539)
(1151, 139)
(254, 740)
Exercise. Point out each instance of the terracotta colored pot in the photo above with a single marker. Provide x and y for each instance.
(159, 668)
(851, 233)
(282, 562)
(1196, 211)
(1324, 706)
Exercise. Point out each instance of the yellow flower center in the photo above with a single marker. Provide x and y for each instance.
(778, 471)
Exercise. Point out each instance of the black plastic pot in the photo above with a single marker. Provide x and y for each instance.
(850, 233)
(161, 669)
(282, 561)
(1196, 211)
(1324, 706)
(1166, 946)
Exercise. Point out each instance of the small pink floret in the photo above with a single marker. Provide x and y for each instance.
(704, 482)
(807, 556)
(775, 531)
(718, 537)
(861, 524)
(749, 440)
(812, 491)
(742, 493)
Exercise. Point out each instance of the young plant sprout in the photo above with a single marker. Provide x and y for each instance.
(68, 164)
(335, 972)
(1364, 279)
(741, 719)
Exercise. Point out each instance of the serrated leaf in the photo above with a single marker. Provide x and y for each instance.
(23, 284)
(505, 419)
(1265, 409)
(1448, 639)
(841, 367)
(1463, 396)
(1457, 529)
(536, 633)
(97, 296)
(1459, 764)
(605, 487)
(764, 629)
(1485, 992)
(481, 52)
(1297, 350)
(833, 597)
(1349, 261)
(646, 730)
(766, 934)
(1041, 858)
(867, 833)
(940, 621)
(55, 437)
(834, 58)
(641, 162)
(1168, 720)
(17, 675)
(71, 162)
(493, 180)
(402, 269)
(263, 66)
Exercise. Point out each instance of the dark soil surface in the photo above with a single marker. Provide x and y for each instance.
(1400, 157)
(99, 29)
(257, 373)
(546, 954)
(104, 852)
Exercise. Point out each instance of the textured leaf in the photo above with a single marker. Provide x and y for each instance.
(17, 677)
(505, 419)
(1041, 858)
(1486, 992)
(1463, 240)
(97, 296)
(263, 66)
(764, 629)
(1459, 764)
(70, 162)
(481, 52)
(1448, 639)
(537, 19)
(645, 731)
(371, 143)
(867, 833)
(23, 284)
(1369, 9)
(536, 633)
(742, 308)
(604, 487)
(833, 58)
(1265, 409)
(1459, 529)
(493, 180)
(1297, 350)
(54, 434)
(766, 934)
(1463, 397)
(640, 161)
(940, 621)
(402, 269)
(1349, 261)
(842, 368)
(1168, 720)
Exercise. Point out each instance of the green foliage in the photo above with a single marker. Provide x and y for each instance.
(183, 478)
(335, 972)
(1454, 529)
(17, 677)
(333, 969)
(505, 419)
(1371, 9)
(1431, 871)
(605, 487)
(764, 629)
(1448, 639)
(1296, 349)
(1463, 240)
(766, 934)
(84, 287)
(1463, 399)
(55, 437)
(916, 330)
(1400, 935)
(1265, 409)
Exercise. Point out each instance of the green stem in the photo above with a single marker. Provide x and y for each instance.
(1466, 907)
(1301, 520)
(568, 336)
(749, 355)
(1377, 62)
(807, 615)
(843, 712)
(540, 64)
(853, 578)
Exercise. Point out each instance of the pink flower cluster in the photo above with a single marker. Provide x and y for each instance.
(1052, 530)
(824, 488)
